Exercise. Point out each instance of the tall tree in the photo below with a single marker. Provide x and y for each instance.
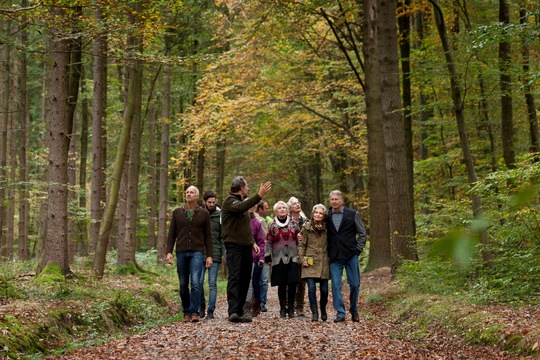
(455, 88)
(401, 209)
(380, 248)
(23, 145)
(58, 130)
(164, 165)
(5, 71)
(505, 61)
(99, 144)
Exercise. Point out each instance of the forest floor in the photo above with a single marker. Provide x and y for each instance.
(378, 335)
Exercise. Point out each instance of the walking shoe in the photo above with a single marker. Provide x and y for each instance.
(263, 308)
(234, 317)
(195, 318)
(187, 318)
(246, 318)
(210, 314)
(339, 319)
(355, 317)
(202, 310)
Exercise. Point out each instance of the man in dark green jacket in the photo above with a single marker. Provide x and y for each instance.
(238, 240)
(210, 205)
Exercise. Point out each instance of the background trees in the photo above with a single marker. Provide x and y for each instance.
(306, 94)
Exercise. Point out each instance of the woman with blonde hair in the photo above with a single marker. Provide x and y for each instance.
(281, 253)
(313, 255)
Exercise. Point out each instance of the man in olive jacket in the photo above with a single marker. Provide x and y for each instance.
(238, 240)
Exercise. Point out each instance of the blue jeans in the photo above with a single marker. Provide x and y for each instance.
(189, 266)
(352, 268)
(256, 280)
(265, 275)
(312, 290)
(212, 285)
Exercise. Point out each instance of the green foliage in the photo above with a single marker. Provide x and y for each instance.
(51, 274)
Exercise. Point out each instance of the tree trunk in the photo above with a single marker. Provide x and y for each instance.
(4, 121)
(400, 197)
(23, 146)
(221, 148)
(153, 173)
(379, 234)
(507, 122)
(527, 89)
(200, 168)
(164, 166)
(57, 92)
(130, 236)
(455, 88)
(116, 176)
(82, 227)
(99, 144)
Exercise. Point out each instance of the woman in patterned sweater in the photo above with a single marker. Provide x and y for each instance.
(281, 253)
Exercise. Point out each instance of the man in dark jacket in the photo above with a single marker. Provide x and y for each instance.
(238, 240)
(209, 198)
(190, 231)
(346, 240)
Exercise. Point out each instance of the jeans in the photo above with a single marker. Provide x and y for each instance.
(265, 275)
(212, 285)
(189, 266)
(352, 268)
(312, 290)
(239, 262)
(256, 280)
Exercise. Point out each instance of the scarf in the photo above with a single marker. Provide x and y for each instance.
(282, 224)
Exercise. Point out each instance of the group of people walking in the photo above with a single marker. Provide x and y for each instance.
(299, 251)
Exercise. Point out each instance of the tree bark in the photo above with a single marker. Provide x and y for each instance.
(527, 88)
(379, 235)
(455, 88)
(164, 166)
(99, 144)
(507, 122)
(23, 146)
(57, 92)
(400, 197)
(153, 174)
(4, 121)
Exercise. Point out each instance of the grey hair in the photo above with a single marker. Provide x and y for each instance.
(237, 184)
(336, 192)
(291, 200)
(280, 202)
(319, 206)
(193, 187)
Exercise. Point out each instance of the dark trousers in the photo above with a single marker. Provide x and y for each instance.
(239, 262)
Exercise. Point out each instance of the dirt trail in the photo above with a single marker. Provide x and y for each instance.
(270, 337)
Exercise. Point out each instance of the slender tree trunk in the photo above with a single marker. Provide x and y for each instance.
(507, 122)
(5, 70)
(130, 236)
(404, 22)
(164, 166)
(72, 192)
(12, 141)
(99, 144)
(116, 177)
(56, 241)
(529, 96)
(153, 173)
(379, 236)
(23, 146)
(221, 147)
(455, 88)
(82, 227)
(200, 168)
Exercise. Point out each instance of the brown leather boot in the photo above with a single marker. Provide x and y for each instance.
(255, 307)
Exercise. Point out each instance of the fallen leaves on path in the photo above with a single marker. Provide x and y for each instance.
(270, 337)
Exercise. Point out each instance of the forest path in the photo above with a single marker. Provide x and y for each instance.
(270, 337)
